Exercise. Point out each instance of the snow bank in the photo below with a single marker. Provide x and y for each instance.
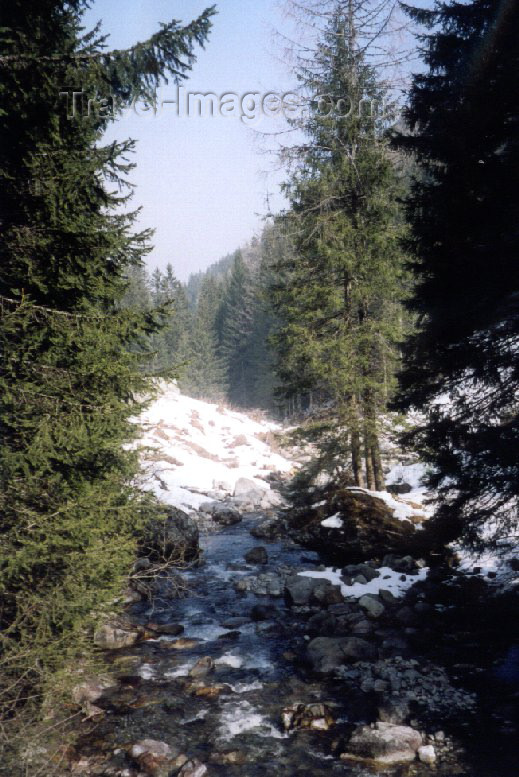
(196, 447)
(389, 580)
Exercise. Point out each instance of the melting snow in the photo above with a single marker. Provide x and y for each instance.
(389, 580)
(196, 447)
(333, 522)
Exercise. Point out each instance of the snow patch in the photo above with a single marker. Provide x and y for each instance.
(333, 522)
(389, 580)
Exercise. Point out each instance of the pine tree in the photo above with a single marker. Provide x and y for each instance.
(69, 379)
(237, 312)
(340, 274)
(462, 366)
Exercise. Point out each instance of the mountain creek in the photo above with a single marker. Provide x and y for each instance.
(240, 665)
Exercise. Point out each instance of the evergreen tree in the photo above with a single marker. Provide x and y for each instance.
(237, 311)
(462, 365)
(68, 379)
(205, 373)
(340, 274)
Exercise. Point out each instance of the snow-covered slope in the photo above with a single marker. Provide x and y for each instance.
(198, 449)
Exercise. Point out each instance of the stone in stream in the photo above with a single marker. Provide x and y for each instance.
(315, 716)
(385, 743)
(193, 768)
(427, 755)
(156, 759)
(226, 516)
(326, 654)
(262, 612)
(202, 667)
(169, 629)
(257, 555)
(301, 590)
(235, 623)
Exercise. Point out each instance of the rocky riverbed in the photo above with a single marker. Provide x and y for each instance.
(257, 669)
(303, 642)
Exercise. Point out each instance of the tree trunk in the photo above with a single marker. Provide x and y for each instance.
(370, 473)
(376, 459)
(356, 448)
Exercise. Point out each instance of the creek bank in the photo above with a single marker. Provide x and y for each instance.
(253, 671)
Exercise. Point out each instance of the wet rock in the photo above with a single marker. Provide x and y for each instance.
(257, 555)
(267, 584)
(230, 636)
(262, 612)
(269, 529)
(193, 768)
(427, 755)
(385, 743)
(174, 538)
(315, 716)
(113, 637)
(326, 654)
(299, 589)
(210, 691)
(156, 759)
(226, 516)
(365, 570)
(229, 757)
(235, 623)
(372, 605)
(202, 667)
(182, 644)
(322, 623)
(169, 629)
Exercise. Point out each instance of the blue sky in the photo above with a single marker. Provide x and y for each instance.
(202, 181)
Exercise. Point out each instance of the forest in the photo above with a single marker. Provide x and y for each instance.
(377, 311)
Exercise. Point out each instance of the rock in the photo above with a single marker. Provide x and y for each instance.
(301, 590)
(90, 691)
(405, 615)
(262, 612)
(326, 654)
(229, 757)
(169, 629)
(226, 516)
(315, 716)
(385, 743)
(202, 667)
(269, 529)
(257, 555)
(513, 563)
(249, 490)
(110, 637)
(156, 759)
(393, 710)
(235, 623)
(387, 597)
(399, 488)
(369, 529)
(193, 768)
(174, 538)
(364, 570)
(372, 605)
(298, 589)
(427, 754)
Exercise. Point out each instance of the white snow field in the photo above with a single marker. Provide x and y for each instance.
(197, 448)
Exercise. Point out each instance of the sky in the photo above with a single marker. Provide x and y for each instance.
(203, 181)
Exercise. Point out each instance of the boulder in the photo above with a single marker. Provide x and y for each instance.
(385, 743)
(112, 637)
(249, 490)
(226, 516)
(269, 529)
(372, 605)
(368, 530)
(326, 654)
(257, 555)
(399, 488)
(427, 755)
(301, 591)
(169, 629)
(193, 768)
(174, 538)
(202, 667)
